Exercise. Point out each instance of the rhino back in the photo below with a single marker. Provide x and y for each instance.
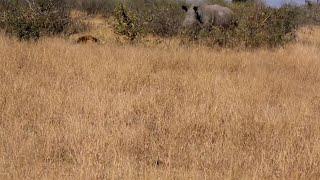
(217, 14)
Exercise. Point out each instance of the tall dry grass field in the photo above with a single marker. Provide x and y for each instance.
(113, 111)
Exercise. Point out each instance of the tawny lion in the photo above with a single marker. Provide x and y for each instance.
(87, 38)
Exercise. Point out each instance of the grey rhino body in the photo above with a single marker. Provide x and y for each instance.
(207, 15)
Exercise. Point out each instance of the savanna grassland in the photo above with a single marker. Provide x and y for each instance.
(164, 111)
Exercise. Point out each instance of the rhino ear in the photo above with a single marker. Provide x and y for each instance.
(198, 16)
(185, 8)
(195, 8)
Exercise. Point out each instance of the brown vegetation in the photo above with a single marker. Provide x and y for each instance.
(168, 112)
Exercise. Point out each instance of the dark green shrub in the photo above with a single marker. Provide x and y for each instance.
(104, 7)
(107, 7)
(5, 5)
(310, 15)
(22, 24)
(160, 17)
(163, 18)
(37, 18)
(127, 23)
(263, 26)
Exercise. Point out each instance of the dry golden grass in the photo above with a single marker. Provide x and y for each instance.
(91, 111)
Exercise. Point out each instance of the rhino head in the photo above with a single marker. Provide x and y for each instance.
(192, 16)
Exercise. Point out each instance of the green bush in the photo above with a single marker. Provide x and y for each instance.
(107, 7)
(104, 7)
(21, 24)
(264, 26)
(310, 15)
(162, 18)
(159, 17)
(127, 23)
(35, 19)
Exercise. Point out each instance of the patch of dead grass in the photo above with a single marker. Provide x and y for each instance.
(110, 111)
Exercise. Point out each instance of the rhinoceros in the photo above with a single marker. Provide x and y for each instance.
(208, 15)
